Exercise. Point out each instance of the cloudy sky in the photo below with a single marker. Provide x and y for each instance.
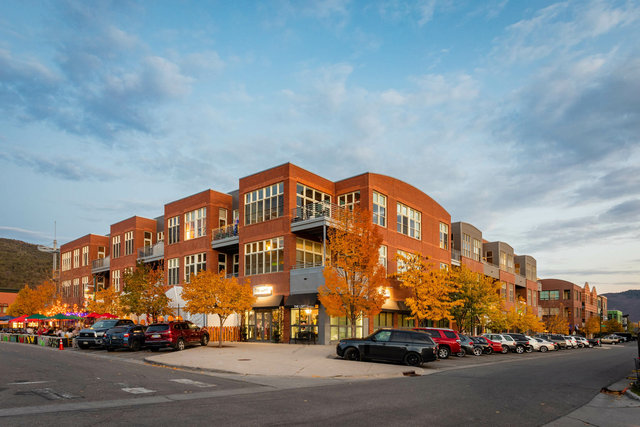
(522, 118)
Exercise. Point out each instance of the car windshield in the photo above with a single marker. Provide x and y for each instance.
(157, 328)
(104, 324)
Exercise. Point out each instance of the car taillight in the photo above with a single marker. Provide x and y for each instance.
(126, 335)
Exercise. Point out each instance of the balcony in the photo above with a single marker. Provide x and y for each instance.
(225, 238)
(313, 218)
(151, 253)
(455, 257)
(100, 265)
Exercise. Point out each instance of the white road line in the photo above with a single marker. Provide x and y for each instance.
(138, 390)
(28, 382)
(50, 394)
(192, 382)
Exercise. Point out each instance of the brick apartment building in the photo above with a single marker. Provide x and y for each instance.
(516, 273)
(578, 304)
(77, 257)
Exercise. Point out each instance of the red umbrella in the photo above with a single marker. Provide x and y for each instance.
(20, 319)
(92, 316)
(109, 316)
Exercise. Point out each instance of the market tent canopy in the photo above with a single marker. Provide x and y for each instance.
(4, 318)
(20, 319)
(92, 315)
(61, 316)
(36, 317)
(109, 316)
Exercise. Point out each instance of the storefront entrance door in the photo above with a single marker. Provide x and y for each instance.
(263, 325)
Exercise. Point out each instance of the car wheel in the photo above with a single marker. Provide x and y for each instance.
(489, 350)
(352, 354)
(529, 349)
(135, 345)
(543, 349)
(204, 340)
(477, 351)
(443, 352)
(505, 350)
(110, 349)
(590, 345)
(180, 344)
(154, 349)
(519, 349)
(461, 353)
(413, 359)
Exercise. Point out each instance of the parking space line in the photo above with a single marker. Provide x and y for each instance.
(137, 390)
(192, 382)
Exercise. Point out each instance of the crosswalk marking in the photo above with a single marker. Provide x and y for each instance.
(192, 382)
(137, 390)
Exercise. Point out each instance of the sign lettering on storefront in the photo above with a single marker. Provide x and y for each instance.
(262, 290)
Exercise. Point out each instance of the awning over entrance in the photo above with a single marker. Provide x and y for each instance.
(303, 300)
(270, 301)
(390, 305)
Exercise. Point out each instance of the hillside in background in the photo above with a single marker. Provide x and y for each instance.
(22, 263)
(627, 302)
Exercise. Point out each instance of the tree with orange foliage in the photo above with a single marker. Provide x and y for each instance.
(214, 293)
(592, 325)
(557, 324)
(144, 292)
(32, 301)
(355, 277)
(107, 301)
(524, 318)
(432, 293)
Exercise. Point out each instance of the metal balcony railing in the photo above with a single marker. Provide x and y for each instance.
(151, 251)
(300, 265)
(318, 210)
(225, 232)
(101, 262)
(455, 254)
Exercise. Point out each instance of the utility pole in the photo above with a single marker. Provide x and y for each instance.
(55, 270)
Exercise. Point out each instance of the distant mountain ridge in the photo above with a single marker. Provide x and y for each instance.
(628, 302)
(22, 263)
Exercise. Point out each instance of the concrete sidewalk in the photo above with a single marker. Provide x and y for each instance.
(288, 360)
(620, 407)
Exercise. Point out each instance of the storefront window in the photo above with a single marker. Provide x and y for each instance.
(405, 321)
(383, 320)
(304, 323)
(340, 329)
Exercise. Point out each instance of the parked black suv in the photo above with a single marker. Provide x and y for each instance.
(522, 343)
(125, 336)
(394, 345)
(93, 335)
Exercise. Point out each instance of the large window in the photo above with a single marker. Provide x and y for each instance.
(409, 221)
(148, 239)
(195, 224)
(349, 200)
(174, 229)
(76, 287)
(264, 204)
(401, 265)
(236, 264)
(266, 256)
(341, 330)
(116, 280)
(66, 261)
(379, 209)
(307, 195)
(444, 236)
(76, 258)
(222, 217)
(85, 255)
(193, 264)
(382, 251)
(383, 319)
(222, 262)
(466, 245)
(405, 321)
(128, 243)
(174, 271)
(549, 295)
(304, 323)
(115, 251)
(477, 249)
(308, 253)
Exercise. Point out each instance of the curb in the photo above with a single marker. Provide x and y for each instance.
(631, 394)
(189, 368)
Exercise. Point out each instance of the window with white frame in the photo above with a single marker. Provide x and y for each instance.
(308, 253)
(379, 209)
(444, 236)
(174, 271)
(160, 236)
(265, 256)
(444, 267)
(466, 245)
(382, 251)
(195, 224)
(222, 217)
(308, 196)
(115, 249)
(402, 263)
(102, 252)
(116, 280)
(148, 239)
(76, 258)
(409, 221)
(264, 204)
(222, 262)
(174, 229)
(194, 264)
(66, 287)
(85, 255)
(66, 261)
(236, 264)
(349, 200)
(128, 243)
(477, 249)
(76, 287)
(85, 285)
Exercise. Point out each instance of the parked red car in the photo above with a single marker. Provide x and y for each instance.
(495, 346)
(177, 335)
(448, 341)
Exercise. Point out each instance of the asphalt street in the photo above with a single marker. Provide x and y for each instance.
(42, 386)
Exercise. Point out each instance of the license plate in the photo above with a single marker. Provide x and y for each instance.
(155, 336)
(85, 342)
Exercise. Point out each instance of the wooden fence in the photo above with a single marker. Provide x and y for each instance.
(229, 333)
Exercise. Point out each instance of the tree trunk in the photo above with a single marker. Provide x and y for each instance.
(353, 325)
(222, 320)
